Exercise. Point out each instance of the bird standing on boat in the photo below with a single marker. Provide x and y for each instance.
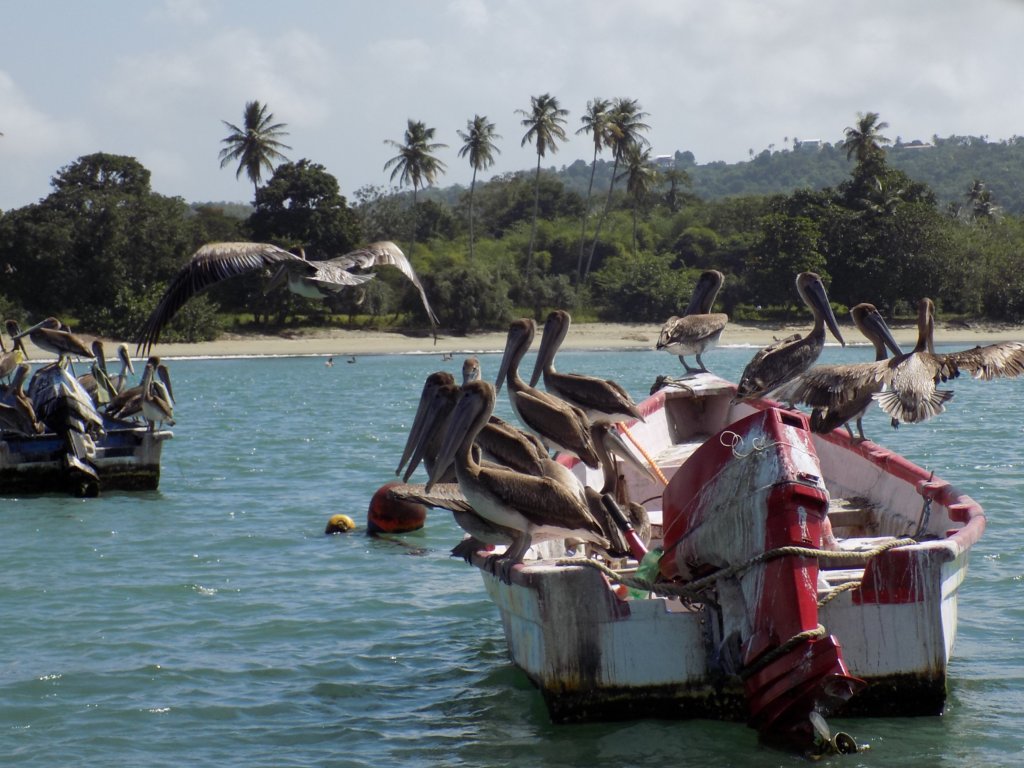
(782, 361)
(216, 262)
(698, 330)
(51, 335)
(16, 410)
(526, 504)
(10, 359)
(907, 385)
(155, 400)
(836, 404)
(599, 399)
(560, 425)
(128, 402)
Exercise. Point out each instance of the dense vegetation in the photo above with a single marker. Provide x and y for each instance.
(621, 240)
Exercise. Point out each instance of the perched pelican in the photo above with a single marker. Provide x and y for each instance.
(16, 410)
(908, 382)
(559, 424)
(155, 402)
(128, 402)
(437, 399)
(835, 406)
(98, 382)
(600, 399)
(470, 369)
(529, 505)
(53, 336)
(698, 330)
(215, 262)
(10, 360)
(782, 361)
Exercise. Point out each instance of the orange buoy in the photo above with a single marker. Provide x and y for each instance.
(390, 515)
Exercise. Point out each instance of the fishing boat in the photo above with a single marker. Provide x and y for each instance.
(791, 576)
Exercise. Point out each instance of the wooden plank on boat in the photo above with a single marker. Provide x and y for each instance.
(853, 512)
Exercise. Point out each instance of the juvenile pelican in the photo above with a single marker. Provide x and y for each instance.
(529, 505)
(698, 330)
(559, 424)
(599, 399)
(18, 414)
(835, 404)
(128, 402)
(784, 360)
(216, 262)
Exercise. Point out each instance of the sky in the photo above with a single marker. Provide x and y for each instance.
(156, 79)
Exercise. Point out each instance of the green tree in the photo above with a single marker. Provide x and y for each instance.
(595, 122)
(415, 162)
(544, 123)
(477, 144)
(625, 125)
(864, 140)
(255, 145)
(641, 177)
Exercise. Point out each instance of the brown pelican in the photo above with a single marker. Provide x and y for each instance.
(599, 399)
(98, 382)
(698, 330)
(436, 402)
(835, 406)
(128, 402)
(53, 336)
(215, 262)
(16, 410)
(155, 401)
(529, 505)
(559, 424)
(470, 369)
(782, 361)
(10, 360)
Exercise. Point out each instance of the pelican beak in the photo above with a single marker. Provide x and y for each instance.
(27, 331)
(817, 294)
(465, 413)
(878, 325)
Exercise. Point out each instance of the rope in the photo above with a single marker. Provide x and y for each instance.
(778, 652)
(643, 452)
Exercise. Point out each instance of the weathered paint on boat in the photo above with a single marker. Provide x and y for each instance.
(125, 459)
(595, 655)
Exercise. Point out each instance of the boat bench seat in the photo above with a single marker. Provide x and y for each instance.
(854, 515)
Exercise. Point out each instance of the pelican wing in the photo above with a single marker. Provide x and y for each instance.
(557, 420)
(990, 362)
(831, 386)
(441, 496)
(542, 501)
(211, 264)
(385, 253)
(691, 329)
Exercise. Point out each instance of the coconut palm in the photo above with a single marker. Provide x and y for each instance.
(415, 163)
(255, 145)
(595, 122)
(544, 123)
(863, 140)
(641, 177)
(478, 145)
(624, 126)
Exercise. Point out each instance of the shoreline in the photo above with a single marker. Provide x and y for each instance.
(582, 336)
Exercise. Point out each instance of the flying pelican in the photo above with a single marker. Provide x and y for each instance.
(599, 399)
(559, 424)
(529, 505)
(51, 335)
(698, 330)
(215, 262)
(782, 361)
(835, 405)
(908, 382)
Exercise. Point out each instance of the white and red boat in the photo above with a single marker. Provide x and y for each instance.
(799, 573)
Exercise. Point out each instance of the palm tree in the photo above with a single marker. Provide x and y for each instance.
(415, 163)
(478, 144)
(544, 124)
(864, 140)
(595, 122)
(641, 177)
(625, 123)
(254, 145)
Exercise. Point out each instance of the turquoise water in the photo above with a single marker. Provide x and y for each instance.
(211, 623)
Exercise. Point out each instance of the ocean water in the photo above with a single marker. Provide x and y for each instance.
(212, 623)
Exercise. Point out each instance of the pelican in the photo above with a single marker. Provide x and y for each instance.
(782, 361)
(10, 360)
(51, 335)
(128, 402)
(599, 399)
(529, 505)
(835, 406)
(97, 382)
(155, 403)
(906, 385)
(560, 425)
(215, 262)
(698, 330)
(437, 399)
(16, 410)
(470, 369)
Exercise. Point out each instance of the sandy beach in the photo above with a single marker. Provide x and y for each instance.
(619, 336)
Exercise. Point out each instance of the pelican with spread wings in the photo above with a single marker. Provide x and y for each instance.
(216, 262)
